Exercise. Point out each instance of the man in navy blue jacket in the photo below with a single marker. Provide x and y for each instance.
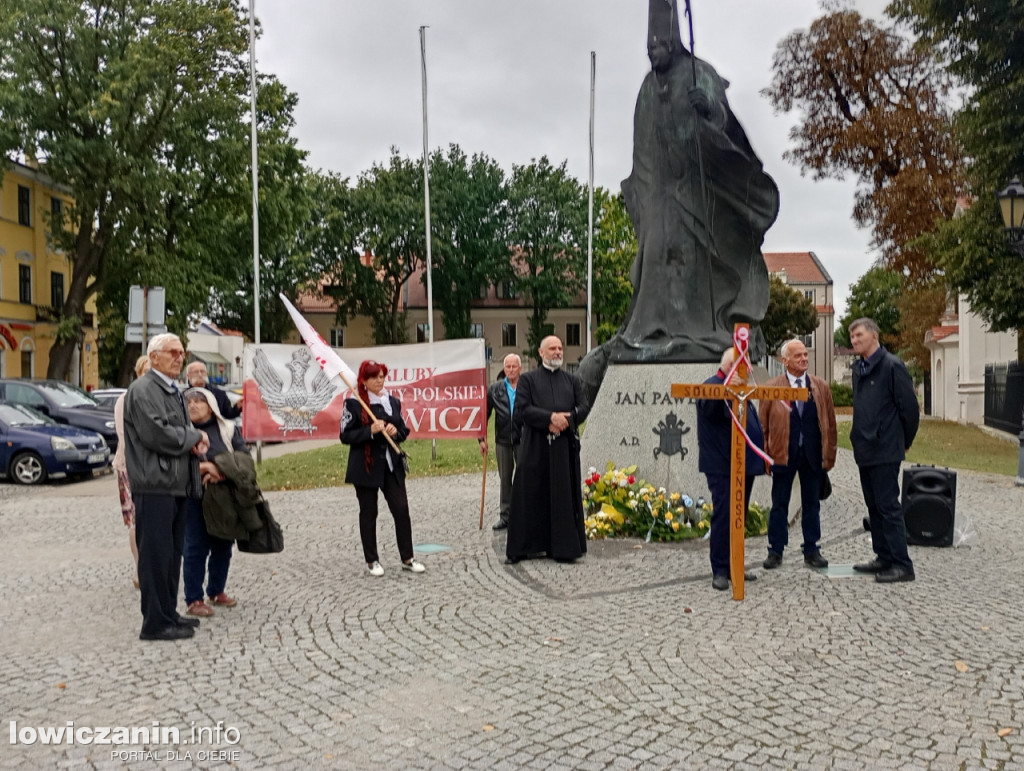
(885, 420)
(714, 440)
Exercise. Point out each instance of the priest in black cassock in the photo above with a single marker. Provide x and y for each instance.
(546, 515)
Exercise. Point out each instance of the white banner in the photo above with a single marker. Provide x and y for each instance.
(442, 387)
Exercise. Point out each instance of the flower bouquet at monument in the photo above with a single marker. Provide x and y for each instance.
(617, 504)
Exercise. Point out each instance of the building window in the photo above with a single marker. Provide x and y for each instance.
(337, 338)
(57, 291)
(807, 340)
(809, 294)
(482, 295)
(422, 333)
(25, 284)
(24, 206)
(506, 290)
(56, 212)
(572, 334)
(476, 331)
(508, 335)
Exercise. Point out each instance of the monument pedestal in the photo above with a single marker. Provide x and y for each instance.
(635, 420)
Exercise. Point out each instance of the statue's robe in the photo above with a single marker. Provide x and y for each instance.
(699, 268)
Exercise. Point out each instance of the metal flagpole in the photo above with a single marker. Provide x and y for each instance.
(426, 186)
(255, 193)
(590, 221)
(426, 208)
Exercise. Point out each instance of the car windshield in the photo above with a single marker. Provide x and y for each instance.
(67, 395)
(20, 415)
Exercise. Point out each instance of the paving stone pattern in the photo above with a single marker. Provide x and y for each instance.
(628, 659)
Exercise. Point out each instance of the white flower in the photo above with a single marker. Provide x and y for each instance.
(591, 471)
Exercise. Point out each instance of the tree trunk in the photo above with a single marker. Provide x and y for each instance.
(86, 264)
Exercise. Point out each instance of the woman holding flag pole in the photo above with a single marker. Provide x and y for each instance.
(373, 466)
(371, 416)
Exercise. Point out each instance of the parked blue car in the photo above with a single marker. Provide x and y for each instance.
(34, 448)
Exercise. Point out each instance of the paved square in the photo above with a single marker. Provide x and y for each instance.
(628, 659)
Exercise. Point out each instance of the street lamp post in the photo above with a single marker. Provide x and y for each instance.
(1011, 205)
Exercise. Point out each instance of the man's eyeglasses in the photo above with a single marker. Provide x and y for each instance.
(173, 353)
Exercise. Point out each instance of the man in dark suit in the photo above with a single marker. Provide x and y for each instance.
(885, 421)
(714, 441)
(501, 400)
(801, 438)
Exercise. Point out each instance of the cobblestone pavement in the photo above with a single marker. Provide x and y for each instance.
(627, 659)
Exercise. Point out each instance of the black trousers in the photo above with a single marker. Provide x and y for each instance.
(881, 487)
(160, 537)
(394, 493)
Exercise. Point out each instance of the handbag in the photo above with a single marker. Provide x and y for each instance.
(826, 486)
(269, 539)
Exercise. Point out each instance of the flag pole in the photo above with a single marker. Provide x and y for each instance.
(590, 228)
(426, 211)
(255, 194)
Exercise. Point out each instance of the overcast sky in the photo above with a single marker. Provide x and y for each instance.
(511, 79)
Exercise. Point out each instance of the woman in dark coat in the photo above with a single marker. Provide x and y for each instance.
(374, 466)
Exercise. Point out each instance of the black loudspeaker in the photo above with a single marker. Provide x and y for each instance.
(929, 505)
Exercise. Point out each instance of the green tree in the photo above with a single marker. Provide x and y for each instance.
(468, 232)
(789, 314)
(982, 43)
(133, 106)
(285, 209)
(547, 225)
(615, 249)
(388, 208)
(874, 295)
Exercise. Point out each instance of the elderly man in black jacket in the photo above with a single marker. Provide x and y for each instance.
(161, 453)
(501, 400)
(885, 420)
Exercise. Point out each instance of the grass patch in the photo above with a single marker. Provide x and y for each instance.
(326, 467)
(945, 443)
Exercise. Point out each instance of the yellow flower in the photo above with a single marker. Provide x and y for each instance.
(675, 496)
(702, 524)
(668, 517)
(675, 526)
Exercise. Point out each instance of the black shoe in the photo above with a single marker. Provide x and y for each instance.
(169, 633)
(875, 566)
(720, 582)
(749, 576)
(893, 575)
(502, 525)
(512, 560)
(773, 561)
(815, 560)
(191, 622)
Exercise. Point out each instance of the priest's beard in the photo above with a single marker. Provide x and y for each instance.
(553, 364)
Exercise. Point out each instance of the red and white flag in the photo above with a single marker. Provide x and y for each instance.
(330, 362)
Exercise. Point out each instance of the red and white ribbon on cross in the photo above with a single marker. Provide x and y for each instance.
(741, 341)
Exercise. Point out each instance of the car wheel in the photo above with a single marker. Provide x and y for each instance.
(27, 469)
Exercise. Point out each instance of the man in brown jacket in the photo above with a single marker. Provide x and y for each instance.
(801, 438)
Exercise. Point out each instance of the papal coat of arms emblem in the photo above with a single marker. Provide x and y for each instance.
(670, 435)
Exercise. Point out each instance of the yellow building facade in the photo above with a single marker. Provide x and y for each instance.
(34, 280)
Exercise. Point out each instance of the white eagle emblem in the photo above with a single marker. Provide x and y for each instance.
(295, 407)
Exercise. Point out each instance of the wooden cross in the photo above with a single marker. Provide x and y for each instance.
(737, 391)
